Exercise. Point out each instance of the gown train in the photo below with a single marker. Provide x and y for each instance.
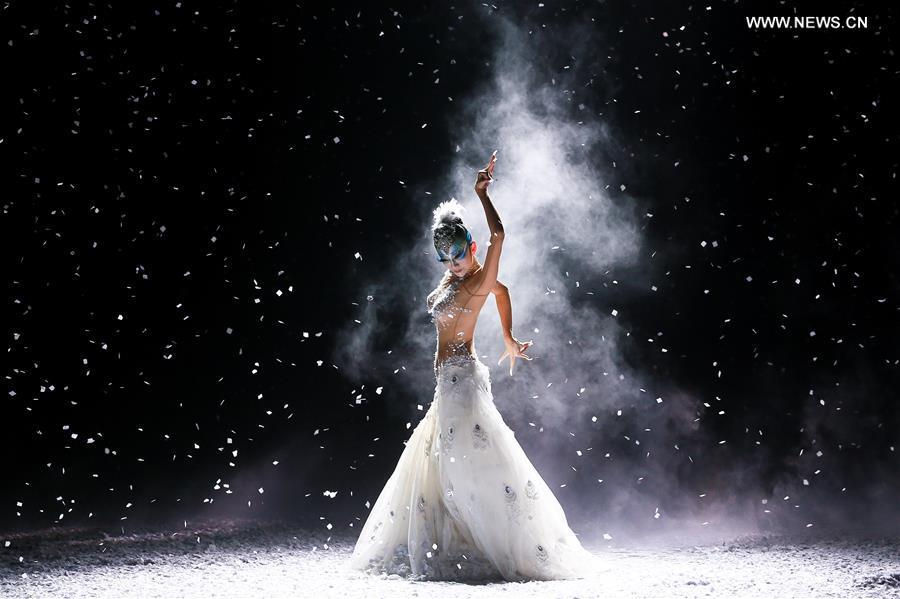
(464, 501)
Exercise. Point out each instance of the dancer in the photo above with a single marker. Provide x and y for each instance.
(464, 501)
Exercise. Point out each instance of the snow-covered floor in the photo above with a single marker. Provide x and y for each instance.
(247, 559)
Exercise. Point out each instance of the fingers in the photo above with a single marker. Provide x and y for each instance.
(490, 165)
(519, 353)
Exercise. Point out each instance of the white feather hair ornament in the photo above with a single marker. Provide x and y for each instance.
(448, 212)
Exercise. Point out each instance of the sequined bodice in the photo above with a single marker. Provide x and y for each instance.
(445, 313)
(443, 307)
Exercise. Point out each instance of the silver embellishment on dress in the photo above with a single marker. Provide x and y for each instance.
(442, 305)
(512, 507)
(459, 356)
(542, 553)
(450, 502)
(479, 437)
(530, 490)
(447, 441)
(421, 503)
(375, 530)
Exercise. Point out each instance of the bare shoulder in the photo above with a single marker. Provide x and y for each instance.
(475, 285)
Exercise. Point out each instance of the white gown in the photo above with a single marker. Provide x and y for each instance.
(464, 502)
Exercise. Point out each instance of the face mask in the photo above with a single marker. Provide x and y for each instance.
(456, 251)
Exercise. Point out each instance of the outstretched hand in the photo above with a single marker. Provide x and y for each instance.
(486, 175)
(515, 349)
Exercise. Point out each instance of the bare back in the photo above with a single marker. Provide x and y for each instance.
(454, 307)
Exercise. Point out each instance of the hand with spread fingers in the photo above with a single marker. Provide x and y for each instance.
(515, 349)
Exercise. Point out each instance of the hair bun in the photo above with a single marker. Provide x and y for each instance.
(448, 213)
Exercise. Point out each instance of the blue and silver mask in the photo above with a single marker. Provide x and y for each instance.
(452, 248)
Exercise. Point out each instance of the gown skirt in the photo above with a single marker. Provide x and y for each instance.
(464, 501)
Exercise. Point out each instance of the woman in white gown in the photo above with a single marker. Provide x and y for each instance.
(464, 502)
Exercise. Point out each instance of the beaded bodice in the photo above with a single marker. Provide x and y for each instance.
(451, 320)
(442, 306)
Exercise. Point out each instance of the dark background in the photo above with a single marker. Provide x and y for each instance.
(171, 167)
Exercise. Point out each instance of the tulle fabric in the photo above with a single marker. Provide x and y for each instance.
(464, 502)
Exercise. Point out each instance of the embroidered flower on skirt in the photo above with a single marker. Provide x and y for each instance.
(479, 437)
(512, 506)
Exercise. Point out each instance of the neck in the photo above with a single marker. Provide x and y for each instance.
(476, 266)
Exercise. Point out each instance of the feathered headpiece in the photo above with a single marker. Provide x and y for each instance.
(449, 211)
(451, 237)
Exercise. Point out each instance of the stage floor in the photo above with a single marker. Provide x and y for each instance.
(245, 559)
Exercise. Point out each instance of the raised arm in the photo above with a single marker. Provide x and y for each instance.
(486, 177)
(491, 264)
